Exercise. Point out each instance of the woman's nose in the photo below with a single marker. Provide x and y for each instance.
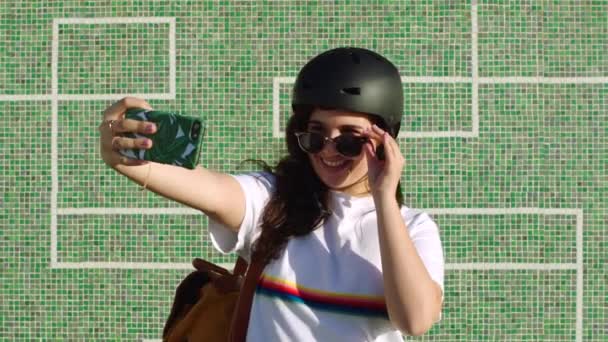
(329, 148)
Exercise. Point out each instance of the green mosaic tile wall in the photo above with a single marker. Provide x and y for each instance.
(513, 170)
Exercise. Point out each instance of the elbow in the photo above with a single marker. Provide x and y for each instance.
(416, 328)
(416, 324)
(417, 318)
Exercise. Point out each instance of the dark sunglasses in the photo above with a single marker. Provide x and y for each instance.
(347, 145)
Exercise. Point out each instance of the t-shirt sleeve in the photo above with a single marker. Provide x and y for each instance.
(425, 236)
(257, 188)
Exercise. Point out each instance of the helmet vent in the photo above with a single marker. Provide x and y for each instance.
(351, 91)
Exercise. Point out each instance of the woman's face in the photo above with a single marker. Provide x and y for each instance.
(338, 172)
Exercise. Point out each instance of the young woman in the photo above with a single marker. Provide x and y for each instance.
(345, 259)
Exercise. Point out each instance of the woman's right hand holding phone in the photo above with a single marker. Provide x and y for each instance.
(114, 125)
(216, 194)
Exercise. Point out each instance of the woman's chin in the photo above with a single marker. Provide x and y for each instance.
(334, 177)
(338, 174)
(348, 182)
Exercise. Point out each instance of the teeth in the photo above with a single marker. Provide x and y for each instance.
(333, 164)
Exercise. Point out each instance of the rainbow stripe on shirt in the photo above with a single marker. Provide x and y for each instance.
(353, 304)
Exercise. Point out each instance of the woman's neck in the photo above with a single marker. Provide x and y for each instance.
(360, 188)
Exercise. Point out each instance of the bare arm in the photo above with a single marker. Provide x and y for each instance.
(217, 195)
(413, 299)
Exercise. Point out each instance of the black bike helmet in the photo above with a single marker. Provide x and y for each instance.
(353, 79)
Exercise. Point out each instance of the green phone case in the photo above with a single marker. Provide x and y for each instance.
(177, 140)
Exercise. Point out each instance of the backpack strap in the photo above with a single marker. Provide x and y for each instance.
(240, 267)
(206, 266)
(240, 318)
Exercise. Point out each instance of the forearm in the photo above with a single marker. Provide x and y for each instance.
(413, 299)
(166, 180)
(217, 195)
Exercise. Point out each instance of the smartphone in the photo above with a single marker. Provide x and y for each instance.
(177, 140)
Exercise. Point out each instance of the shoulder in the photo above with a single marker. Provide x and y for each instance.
(416, 219)
(253, 180)
(256, 185)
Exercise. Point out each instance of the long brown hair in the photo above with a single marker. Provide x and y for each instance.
(299, 203)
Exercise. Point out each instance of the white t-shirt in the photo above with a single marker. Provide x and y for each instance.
(327, 285)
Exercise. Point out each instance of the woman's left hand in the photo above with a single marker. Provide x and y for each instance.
(384, 175)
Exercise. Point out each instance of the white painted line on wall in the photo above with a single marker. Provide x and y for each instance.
(115, 20)
(54, 141)
(510, 266)
(579, 276)
(128, 211)
(115, 97)
(172, 59)
(84, 97)
(438, 134)
(435, 79)
(18, 98)
(124, 265)
(276, 104)
(543, 80)
(503, 211)
(474, 72)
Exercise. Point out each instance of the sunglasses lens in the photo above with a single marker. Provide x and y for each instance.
(349, 145)
(311, 142)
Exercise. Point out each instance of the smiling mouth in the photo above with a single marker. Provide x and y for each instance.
(330, 163)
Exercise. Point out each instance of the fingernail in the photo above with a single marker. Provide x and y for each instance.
(147, 143)
(149, 128)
